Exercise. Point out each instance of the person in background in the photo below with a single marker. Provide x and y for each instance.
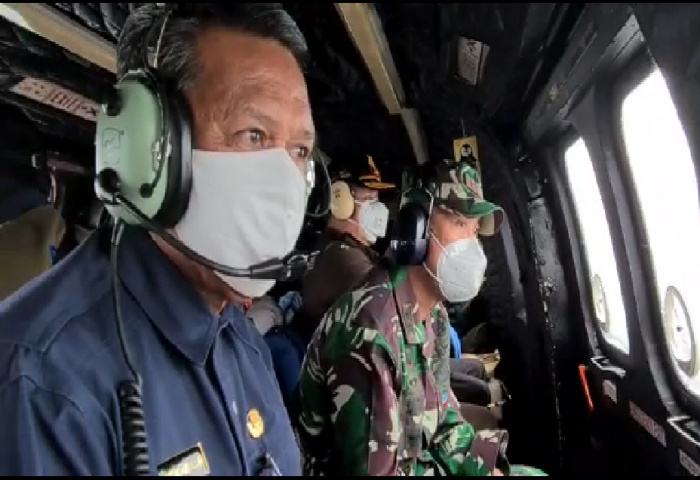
(345, 256)
(22, 189)
(31, 228)
(374, 393)
(265, 313)
(358, 218)
(210, 397)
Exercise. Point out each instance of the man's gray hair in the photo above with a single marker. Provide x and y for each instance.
(177, 60)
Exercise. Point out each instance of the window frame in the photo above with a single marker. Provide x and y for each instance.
(654, 345)
(580, 257)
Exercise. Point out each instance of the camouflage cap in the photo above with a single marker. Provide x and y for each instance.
(458, 188)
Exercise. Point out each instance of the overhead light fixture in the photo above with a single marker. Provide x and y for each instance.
(365, 28)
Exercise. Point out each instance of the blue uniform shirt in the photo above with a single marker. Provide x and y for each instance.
(208, 381)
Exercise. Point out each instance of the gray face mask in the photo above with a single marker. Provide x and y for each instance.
(373, 218)
(461, 269)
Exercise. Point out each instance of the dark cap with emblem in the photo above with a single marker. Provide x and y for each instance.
(458, 187)
(362, 172)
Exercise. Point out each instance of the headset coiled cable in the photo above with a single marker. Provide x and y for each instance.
(134, 439)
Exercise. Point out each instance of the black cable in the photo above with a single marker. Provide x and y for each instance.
(286, 269)
(134, 439)
(117, 231)
(327, 179)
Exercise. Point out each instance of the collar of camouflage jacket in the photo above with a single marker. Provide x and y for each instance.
(407, 307)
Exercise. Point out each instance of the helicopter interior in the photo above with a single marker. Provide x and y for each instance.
(402, 82)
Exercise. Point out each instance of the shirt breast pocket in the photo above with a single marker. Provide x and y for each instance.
(274, 454)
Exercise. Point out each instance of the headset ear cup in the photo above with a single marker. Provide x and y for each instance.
(342, 201)
(147, 113)
(178, 175)
(409, 243)
(126, 130)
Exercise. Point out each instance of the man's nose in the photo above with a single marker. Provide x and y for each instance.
(279, 143)
(285, 145)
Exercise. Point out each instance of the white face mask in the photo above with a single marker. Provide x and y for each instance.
(460, 270)
(245, 208)
(373, 218)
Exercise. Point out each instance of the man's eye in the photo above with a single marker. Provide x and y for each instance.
(457, 219)
(302, 152)
(255, 137)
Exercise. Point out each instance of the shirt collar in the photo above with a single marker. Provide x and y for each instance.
(166, 296)
(418, 332)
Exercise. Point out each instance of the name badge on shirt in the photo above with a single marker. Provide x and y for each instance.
(445, 398)
(190, 463)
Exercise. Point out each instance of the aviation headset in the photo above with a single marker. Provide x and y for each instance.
(144, 160)
(411, 233)
(342, 203)
(144, 144)
(408, 243)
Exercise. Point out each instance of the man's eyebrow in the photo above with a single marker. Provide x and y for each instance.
(252, 111)
(309, 135)
(452, 212)
(271, 122)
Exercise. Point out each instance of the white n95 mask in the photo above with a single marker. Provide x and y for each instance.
(460, 270)
(373, 218)
(245, 208)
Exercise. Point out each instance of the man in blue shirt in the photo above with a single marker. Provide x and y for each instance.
(211, 401)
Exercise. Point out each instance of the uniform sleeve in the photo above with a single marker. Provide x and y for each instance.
(44, 433)
(357, 373)
(366, 410)
(459, 450)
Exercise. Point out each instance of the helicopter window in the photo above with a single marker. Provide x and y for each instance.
(605, 283)
(667, 191)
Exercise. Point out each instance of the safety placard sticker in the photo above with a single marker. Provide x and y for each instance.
(471, 57)
(466, 149)
(689, 464)
(653, 428)
(48, 93)
(610, 390)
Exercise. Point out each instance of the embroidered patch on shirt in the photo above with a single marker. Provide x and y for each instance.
(445, 398)
(190, 463)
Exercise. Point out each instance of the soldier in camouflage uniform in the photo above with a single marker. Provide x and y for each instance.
(374, 391)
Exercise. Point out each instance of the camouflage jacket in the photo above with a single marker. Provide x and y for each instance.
(374, 391)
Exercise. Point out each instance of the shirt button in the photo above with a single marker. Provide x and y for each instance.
(234, 407)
